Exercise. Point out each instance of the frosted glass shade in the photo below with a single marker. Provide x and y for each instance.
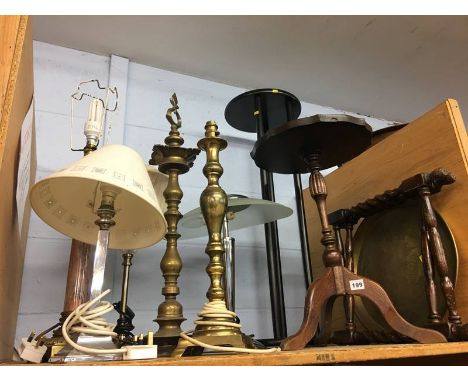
(250, 212)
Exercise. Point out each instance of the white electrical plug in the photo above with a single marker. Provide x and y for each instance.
(147, 351)
(29, 350)
(140, 352)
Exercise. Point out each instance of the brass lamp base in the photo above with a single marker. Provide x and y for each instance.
(167, 331)
(168, 334)
(216, 336)
(54, 345)
(169, 320)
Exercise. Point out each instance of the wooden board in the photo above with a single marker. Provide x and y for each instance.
(16, 91)
(436, 139)
(415, 354)
(8, 32)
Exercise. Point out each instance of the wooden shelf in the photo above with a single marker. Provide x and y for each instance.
(447, 354)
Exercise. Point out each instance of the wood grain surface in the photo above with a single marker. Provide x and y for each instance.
(15, 98)
(446, 354)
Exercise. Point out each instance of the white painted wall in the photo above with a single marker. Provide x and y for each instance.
(140, 123)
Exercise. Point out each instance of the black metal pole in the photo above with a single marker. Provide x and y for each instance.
(275, 277)
(306, 265)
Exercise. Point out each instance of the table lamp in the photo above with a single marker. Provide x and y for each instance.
(111, 184)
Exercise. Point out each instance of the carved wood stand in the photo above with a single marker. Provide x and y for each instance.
(339, 281)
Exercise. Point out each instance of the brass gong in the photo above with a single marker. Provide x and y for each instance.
(387, 249)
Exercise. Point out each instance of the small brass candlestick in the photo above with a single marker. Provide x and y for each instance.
(213, 328)
(173, 160)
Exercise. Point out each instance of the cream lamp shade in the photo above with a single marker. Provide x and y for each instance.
(68, 199)
(159, 182)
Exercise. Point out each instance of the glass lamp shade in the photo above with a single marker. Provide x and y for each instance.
(68, 199)
(247, 212)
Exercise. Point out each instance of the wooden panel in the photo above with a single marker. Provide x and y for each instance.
(17, 45)
(437, 139)
(8, 32)
(448, 353)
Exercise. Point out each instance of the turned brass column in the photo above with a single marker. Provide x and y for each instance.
(211, 329)
(173, 160)
(213, 203)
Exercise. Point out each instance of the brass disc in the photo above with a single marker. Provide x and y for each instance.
(387, 249)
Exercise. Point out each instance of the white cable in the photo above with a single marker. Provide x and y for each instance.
(87, 319)
(217, 309)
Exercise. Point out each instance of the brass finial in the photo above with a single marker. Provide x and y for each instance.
(211, 129)
(174, 138)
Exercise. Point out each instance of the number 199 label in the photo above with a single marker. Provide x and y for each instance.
(357, 284)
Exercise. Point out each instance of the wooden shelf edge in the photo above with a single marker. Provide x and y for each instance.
(310, 356)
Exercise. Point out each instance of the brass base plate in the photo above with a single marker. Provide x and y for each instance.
(227, 338)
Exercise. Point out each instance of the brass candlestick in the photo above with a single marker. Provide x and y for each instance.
(173, 160)
(214, 329)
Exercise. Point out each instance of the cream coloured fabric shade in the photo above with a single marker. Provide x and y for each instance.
(68, 199)
(159, 181)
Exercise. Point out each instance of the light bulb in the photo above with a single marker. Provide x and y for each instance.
(94, 124)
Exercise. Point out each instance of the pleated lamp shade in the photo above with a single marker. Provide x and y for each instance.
(68, 199)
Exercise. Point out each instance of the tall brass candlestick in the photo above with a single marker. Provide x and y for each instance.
(213, 329)
(213, 203)
(173, 160)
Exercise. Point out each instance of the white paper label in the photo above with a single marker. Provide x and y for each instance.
(24, 166)
(357, 284)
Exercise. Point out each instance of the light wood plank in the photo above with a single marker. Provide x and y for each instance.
(17, 99)
(8, 33)
(310, 356)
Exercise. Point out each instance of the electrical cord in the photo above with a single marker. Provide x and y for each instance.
(87, 319)
(217, 309)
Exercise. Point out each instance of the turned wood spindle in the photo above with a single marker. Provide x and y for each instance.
(428, 268)
(436, 247)
(318, 191)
